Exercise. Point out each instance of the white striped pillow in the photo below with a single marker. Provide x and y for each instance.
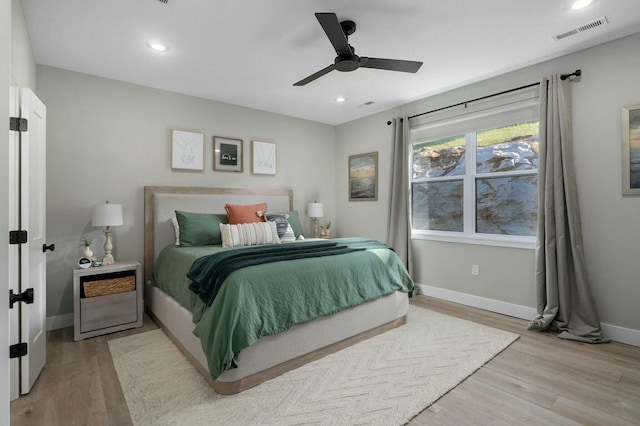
(249, 234)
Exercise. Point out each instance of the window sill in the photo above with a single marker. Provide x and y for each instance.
(478, 239)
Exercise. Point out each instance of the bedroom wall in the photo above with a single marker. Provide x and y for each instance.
(364, 218)
(23, 65)
(108, 139)
(611, 236)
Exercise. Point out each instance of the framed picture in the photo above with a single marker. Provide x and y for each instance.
(363, 177)
(187, 150)
(227, 154)
(631, 150)
(263, 158)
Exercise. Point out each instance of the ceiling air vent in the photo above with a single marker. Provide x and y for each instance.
(163, 1)
(581, 28)
(365, 104)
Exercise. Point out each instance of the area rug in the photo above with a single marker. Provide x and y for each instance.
(386, 380)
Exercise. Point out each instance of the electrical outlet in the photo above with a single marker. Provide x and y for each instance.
(475, 270)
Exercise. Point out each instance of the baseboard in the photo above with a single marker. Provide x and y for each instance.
(619, 334)
(60, 321)
(505, 308)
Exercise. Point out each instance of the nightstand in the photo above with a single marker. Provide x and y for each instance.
(107, 299)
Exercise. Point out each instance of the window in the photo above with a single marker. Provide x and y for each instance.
(474, 174)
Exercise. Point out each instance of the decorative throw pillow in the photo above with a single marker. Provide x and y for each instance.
(176, 230)
(294, 221)
(249, 234)
(285, 232)
(199, 229)
(245, 213)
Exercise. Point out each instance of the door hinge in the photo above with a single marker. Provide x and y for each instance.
(18, 124)
(24, 297)
(18, 350)
(18, 237)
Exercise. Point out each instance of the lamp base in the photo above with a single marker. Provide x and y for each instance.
(108, 247)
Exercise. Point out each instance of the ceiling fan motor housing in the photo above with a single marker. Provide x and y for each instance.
(347, 63)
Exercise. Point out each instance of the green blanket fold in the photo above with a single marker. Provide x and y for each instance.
(208, 273)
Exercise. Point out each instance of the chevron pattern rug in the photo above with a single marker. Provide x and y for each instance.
(386, 380)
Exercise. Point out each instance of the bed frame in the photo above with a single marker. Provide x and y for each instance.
(270, 356)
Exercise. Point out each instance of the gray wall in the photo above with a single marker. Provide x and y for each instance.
(106, 140)
(23, 66)
(364, 218)
(611, 234)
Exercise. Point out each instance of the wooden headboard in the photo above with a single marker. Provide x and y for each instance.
(160, 203)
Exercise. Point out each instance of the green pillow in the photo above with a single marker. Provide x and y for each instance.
(200, 229)
(294, 221)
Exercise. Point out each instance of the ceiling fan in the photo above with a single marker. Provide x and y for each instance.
(347, 60)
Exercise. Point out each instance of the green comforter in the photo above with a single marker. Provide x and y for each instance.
(207, 274)
(262, 300)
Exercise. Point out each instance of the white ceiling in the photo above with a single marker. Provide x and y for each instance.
(250, 52)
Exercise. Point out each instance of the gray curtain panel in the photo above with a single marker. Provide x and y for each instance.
(565, 301)
(398, 229)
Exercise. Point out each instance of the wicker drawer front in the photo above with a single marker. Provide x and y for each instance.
(109, 286)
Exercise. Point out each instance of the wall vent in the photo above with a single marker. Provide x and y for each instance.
(163, 1)
(581, 28)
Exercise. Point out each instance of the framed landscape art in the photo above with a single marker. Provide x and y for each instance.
(631, 150)
(227, 154)
(363, 177)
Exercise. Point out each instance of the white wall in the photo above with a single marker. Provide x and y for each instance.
(611, 234)
(108, 139)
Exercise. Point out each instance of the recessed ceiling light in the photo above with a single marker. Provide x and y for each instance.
(341, 99)
(159, 47)
(579, 4)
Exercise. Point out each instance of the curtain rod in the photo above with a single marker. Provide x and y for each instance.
(577, 73)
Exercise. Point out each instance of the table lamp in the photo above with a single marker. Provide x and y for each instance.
(107, 215)
(314, 211)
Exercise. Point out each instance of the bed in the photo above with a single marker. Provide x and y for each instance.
(273, 354)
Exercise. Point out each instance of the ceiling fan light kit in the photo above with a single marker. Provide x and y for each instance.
(346, 59)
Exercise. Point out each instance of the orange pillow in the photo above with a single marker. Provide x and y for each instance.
(247, 213)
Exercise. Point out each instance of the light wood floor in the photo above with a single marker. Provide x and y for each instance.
(539, 380)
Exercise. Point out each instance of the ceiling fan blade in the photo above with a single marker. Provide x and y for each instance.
(315, 75)
(331, 26)
(390, 64)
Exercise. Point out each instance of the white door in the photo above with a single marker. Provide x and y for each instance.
(14, 250)
(33, 219)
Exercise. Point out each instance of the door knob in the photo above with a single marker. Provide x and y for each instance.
(51, 247)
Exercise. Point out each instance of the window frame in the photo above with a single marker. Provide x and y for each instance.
(508, 109)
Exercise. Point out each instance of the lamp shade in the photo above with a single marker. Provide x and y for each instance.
(107, 215)
(315, 210)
